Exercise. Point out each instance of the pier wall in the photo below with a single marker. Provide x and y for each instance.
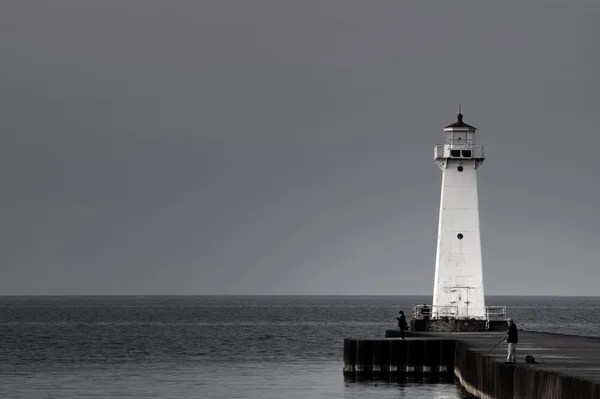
(431, 358)
(426, 359)
(483, 377)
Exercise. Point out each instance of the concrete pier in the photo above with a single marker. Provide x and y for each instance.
(567, 366)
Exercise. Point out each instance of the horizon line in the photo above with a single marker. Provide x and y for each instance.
(283, 295)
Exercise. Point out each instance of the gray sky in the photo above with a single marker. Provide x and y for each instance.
(285, 147)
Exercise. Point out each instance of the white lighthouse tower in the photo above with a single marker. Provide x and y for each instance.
(458, 284)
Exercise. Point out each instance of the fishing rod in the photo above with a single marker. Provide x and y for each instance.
(499, 342)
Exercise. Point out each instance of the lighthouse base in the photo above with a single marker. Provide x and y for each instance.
(449, 325)
(444, 319)
(452, 325)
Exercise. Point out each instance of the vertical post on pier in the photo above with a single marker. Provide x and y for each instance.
(385, 359)
(415, 359)
(399, 358)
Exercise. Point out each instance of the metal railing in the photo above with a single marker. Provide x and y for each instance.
(434, 312)
(419, 312)
(459, 151)
(495, 312)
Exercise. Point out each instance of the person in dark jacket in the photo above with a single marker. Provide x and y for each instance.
(512, 338)
(402, 324)
(425, 312)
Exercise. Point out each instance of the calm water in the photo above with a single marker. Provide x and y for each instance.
(221, 347)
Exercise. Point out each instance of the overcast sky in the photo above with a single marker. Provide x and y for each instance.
(286, 147)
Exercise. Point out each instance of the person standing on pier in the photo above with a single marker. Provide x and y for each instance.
(512, 338)
(425, 312)
(402, 324)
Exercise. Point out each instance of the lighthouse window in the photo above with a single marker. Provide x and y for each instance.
(459, 236)
(466, 153)
(460, 168)
(455, 153)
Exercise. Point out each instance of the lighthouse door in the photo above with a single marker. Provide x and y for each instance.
(460, 299)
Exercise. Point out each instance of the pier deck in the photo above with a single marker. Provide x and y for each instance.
(567, 355)
(567, 366)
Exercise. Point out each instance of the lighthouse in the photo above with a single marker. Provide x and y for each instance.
(458, 297)
(458, 282)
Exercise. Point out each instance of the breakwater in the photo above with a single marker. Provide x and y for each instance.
(566, 366)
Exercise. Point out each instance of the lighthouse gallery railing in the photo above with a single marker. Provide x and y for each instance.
(451, 312)
(469, 151)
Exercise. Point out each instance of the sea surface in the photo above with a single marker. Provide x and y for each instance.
(222, 346)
